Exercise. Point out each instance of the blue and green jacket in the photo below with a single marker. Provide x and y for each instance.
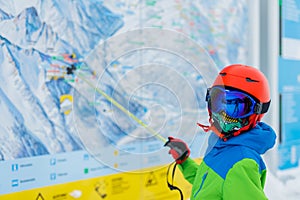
(233, 169)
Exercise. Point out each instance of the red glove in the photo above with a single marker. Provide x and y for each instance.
(179, 149)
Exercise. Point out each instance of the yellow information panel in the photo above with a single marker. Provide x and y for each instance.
(151, 184)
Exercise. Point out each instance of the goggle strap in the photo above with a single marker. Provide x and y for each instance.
(261, 108)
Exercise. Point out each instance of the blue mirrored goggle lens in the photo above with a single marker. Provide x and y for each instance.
(235, 104)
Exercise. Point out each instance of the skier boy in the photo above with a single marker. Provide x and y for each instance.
(233, 168)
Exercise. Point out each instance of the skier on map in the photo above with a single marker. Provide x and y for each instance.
(232, 167)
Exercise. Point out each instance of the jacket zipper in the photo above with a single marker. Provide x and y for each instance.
(201, 185)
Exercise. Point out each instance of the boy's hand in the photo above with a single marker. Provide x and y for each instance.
(178, 149)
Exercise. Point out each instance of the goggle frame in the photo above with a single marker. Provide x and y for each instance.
(256, 108)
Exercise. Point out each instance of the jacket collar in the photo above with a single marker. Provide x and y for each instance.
(261, 138)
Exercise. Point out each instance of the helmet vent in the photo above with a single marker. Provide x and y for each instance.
(251, 80)
(223, 74)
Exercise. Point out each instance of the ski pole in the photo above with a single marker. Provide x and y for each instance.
(126, 111)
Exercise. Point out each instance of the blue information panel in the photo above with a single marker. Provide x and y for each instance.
(289, 147)
(289, 85)
(291, 18)
(290, 29)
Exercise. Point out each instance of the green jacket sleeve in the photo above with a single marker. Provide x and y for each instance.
(189, 170)
(244, 181)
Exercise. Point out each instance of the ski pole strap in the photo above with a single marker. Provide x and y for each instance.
(171, 185)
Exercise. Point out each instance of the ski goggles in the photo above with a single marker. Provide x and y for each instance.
(234, 103)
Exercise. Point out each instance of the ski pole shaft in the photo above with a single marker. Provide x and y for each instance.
(124, 110)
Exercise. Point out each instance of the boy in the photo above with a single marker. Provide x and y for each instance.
(233, 168)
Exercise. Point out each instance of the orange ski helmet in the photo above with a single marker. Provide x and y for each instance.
(246, 80)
